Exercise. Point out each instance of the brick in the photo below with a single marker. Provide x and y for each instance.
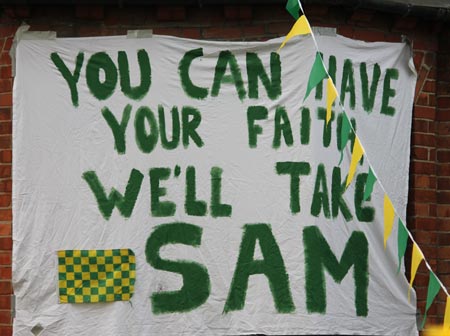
(238, 13)
(5, 259)
(5, 85)
(420, 125)
(5, 302)
(222, 33)
(89, 12)
(424, 112)
(253, 31)
(443, 197)
(369, 35)
(5, 316)
(193, 33)
(443, 142)
(429, 86)
(420, 209)
(171, 31)
(362, 15)
(443, 128)
(424, 139)
(5, 214)
(5, 288)
(418, 57)
(420, 153)
(346, 31)
(279, 28)
(424, 223)
(426, 238)
(171, 13)
(426, 196)
(5, 229)
(405, 23)
(443, 101)
(5, 243)
(421, 167)
(424, 181)
(5, 99)
(5, 201)
(5, 72)
(5, 272)
(7, 31)
(6, 330)
(5, 171)
(8, 44)
(443, 183)
(443, 156)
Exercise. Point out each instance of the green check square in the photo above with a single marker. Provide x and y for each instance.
(125, 274)
(94, 291)
(109, 290)
(100, 253)
(94, 276)
(77, 261)
(125, 289)
(84, 253)
(69, 268)
(79, 291)
(71, 299)
(102, 298)
(117, 282)
(108, 260)
(86, 298)
(62, 276)
(63, 291)
(116, 252)
(78, 276)
(61, 261)
(92, 260)
(85, 268)
(69, 253)
(101, 268)
(70, 283)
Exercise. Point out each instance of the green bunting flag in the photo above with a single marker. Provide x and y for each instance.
(293, 7)
(317, 74)
(96, 275)
(371, 179)
(345, 133)
(433, 290)
(402, 239)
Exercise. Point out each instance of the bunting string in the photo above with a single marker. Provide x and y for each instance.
(317, 75)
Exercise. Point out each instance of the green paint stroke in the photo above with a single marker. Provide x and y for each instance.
(118, 129)
(146, 141)
(363, 213)
(165, 142)
(71, 78)
(321, 200)
(368, 98)
(388, 92)
(318, 257)
(137, 92)
(337, 199)
(101, 62)
(192, 206)
(218, 209)
(305, 126)
(255, 70)
(282, 128)
(191, 119)
(272, 266)
(196, 283)
(294, 169)
(189, 88)
(125, 204)
(255, 113)
(227, 59)
(348, 83)
(160, 208)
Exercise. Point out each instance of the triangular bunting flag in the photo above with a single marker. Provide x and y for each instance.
(300, 27)
(433, 290)
(370, 182)
(389, 215)
(345, 133)
(293, 7)
(317, 74)
(357, 154)
(417, 257)
(331, 96)
(402, 240)
(447, 315)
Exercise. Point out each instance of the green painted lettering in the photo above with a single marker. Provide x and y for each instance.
(71, 78)
(160, 208)
(189, 88)
(137, 92)
(294, 169)
(226, 58)
(255, 70)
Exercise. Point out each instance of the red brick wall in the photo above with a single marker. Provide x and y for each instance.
(429, 200)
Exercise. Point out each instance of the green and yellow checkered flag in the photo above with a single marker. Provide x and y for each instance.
(96, 275)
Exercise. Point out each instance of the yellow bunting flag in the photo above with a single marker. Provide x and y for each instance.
(357, 154)
(417, 257)
(447, 315)
(435, 331)
(331, 96)
(300, 27)
(389, 215)
(96, 275)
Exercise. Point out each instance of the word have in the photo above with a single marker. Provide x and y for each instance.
(158, 207)
(319, 257)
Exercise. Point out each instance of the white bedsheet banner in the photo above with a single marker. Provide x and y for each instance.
(228, 187)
